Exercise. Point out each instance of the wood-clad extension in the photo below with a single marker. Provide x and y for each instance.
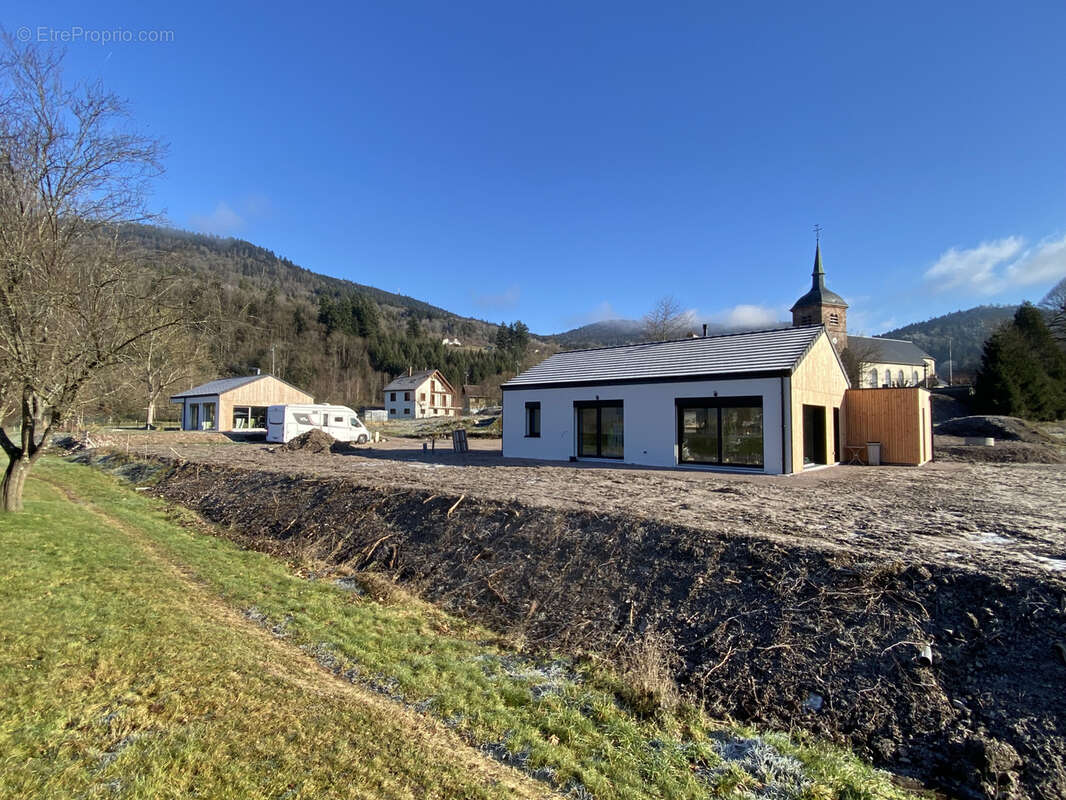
(900, 419)
(819, 381)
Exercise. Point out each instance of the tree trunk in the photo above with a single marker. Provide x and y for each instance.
(13, 483)
(150, 415)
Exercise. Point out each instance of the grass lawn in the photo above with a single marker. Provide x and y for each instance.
(141, 656)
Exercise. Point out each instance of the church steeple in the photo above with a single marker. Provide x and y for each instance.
(821, 306)
(818, 282)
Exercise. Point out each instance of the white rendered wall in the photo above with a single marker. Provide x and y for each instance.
(649, 419)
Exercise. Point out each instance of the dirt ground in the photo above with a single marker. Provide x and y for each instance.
(966, 515)
(792, 601)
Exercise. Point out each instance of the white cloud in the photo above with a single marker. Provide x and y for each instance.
(1045, 263)
(994, 266)
(506, 299)
(223, 221)
(748, 316)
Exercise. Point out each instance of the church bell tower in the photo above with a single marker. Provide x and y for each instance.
(820, 306)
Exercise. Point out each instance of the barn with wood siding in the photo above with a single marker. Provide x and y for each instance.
(235, 404)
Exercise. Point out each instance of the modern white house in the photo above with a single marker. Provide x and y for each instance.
(421, 394)
(760, 401)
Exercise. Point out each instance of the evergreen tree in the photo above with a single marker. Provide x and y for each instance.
(1023, 372)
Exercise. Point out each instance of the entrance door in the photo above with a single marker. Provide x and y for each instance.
(813, 435)
(836, 435)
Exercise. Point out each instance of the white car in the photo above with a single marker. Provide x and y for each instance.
(286, 422)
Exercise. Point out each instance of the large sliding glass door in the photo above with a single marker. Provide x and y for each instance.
(723, 431)
(600, 429)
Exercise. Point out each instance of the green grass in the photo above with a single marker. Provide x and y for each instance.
(100, 627)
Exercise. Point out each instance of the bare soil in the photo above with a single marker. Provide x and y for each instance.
(797, 602)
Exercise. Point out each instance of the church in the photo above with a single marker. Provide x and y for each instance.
(878, 362)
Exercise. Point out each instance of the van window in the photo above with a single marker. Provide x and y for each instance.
(354, 422)
(339, 419)
(303, 419)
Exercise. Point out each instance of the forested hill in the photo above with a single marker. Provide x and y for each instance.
(967, 331)
(234, 259)
(342, 341)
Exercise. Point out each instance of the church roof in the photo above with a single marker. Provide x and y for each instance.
(889, 351)
(819, 295)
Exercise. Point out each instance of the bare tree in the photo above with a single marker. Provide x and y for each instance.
(164, 358)
(665, 321)
(1054, 305)
(73, 297)
(857, 357)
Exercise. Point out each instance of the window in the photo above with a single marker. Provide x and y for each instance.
(249, 417)
(600, 429)
(393, 397)
(406, 410)
(422, 397)
(900, 380)
(726, 431)
(533, 420)
(914, 377)
(873, 378)
(392, 412)
(339, 420)
(353, 422)
(209, 416)
(194, 416)
(834, 318)
(406, 396)
(303, 419)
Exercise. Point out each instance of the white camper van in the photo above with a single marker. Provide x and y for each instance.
(289, 421)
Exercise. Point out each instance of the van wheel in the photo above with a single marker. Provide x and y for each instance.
(363, 438)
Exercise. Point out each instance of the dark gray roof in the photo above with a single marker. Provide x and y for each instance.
(778, 350)
(220, 386)
(889, 351)
(412, 381)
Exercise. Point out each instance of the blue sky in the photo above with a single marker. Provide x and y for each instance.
(562, 163)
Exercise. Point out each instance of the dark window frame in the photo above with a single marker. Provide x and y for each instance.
(599, 405)
(747, 401)
(533, 420)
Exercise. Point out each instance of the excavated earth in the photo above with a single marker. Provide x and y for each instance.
(794, 602)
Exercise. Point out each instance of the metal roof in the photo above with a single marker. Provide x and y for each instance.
(221, 386)
(889, 351)
(414, 380)
(778, 350)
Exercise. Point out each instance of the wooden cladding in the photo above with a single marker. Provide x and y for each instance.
(900, 419)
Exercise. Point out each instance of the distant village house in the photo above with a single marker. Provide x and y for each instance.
(476, 398)
(417, 395)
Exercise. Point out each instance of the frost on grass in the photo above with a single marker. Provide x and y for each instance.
(774, 775)
(543, 678)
